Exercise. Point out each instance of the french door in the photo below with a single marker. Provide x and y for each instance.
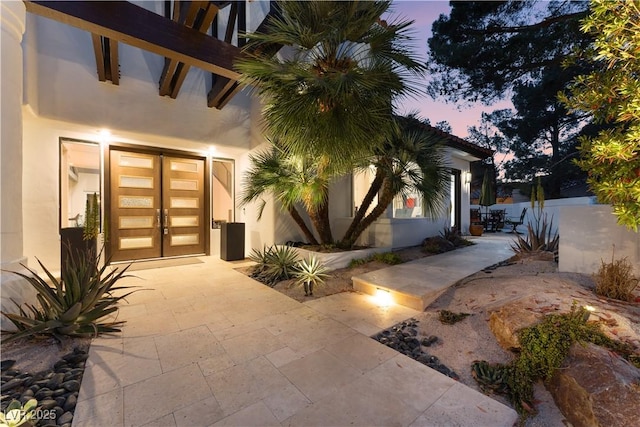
(157, 205)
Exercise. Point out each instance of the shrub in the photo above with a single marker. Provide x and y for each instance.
(615, 279)
(452, 234)
(75, 304)
(544, 346)
(390, 258)
(274, 263)
(310, 273)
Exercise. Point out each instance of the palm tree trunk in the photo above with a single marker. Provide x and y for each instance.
(320, 219)
(384, 199)
(347, 240)
(303, 226)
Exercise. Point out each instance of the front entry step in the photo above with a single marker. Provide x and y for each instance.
(416, 284)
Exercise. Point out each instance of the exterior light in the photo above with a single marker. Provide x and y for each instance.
(383, 298)
(105, 136)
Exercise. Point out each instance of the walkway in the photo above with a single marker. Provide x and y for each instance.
(418, 283)
(210, 346)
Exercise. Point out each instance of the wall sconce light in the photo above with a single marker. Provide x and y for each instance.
(467, 177)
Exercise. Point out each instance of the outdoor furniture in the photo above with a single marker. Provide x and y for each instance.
(498, 216)
(516, 222)
(494, 220)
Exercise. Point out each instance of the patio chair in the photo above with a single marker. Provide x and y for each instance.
(516, 222)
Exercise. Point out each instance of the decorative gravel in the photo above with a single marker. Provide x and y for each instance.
(55, 389)
(403, 337)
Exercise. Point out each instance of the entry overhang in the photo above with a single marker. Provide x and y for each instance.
(133, 25)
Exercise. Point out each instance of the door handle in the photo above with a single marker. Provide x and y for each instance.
(166, 217)
(158, 218)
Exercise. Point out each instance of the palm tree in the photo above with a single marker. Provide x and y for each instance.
(330, 90)
(293, 180)
(410, 161)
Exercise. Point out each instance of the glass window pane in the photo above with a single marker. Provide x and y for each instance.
(133, 161)
(136, 222)
(184, 202)
(184, 221)
(136, 242)
(184, 166)
(79, 179)
(184, 184)
(134, 202)
(136, 181)
(184, 239)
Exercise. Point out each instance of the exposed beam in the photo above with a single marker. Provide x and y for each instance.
(224, 89)
(133, 25)
(99, 54)
(113, 61)
(199, 16)
(106, 53)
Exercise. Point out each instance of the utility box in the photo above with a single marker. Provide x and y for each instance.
(232, 241)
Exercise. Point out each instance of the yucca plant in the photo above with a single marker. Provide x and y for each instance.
(73, 305)
(539, 237)
(310, 272)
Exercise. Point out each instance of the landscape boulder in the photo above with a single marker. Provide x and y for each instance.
(506, 321)
(595, 387)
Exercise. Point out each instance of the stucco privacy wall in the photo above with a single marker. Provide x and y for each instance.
(588, 234)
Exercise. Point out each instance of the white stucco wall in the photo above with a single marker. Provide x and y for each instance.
(587, 236)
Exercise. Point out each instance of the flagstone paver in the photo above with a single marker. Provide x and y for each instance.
(210, 346)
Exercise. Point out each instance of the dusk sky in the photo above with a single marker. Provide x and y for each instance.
(424, 13)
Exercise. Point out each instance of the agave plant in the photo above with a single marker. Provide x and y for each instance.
(16, 414)
(73, 305)
(273, 263)
(310, 273)
(281, 262)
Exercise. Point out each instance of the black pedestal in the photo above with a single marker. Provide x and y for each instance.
(232, 241)
(72, 242)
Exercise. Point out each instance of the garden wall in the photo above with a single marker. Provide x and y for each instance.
(587, 236)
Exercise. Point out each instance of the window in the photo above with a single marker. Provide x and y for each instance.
(79, 180)
(222, 192)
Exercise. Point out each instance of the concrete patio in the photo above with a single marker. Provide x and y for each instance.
(210, 346)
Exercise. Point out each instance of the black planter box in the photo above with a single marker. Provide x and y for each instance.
(232, 241)
(72, 242)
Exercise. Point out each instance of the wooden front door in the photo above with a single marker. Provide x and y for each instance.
(183, 206)
(157, 205)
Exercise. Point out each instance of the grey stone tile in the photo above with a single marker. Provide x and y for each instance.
(164, 394)
(411, 381)
(202, 413)
(319, 374)
(251, 345)
(464, 407)
(245, 384)
(257, 415)
(186, 347)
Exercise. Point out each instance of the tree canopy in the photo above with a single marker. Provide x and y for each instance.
(330, 90)
(486, 51)
(611, 94)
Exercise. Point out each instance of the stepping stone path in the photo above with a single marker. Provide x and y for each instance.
(403, 337)
(56, 389)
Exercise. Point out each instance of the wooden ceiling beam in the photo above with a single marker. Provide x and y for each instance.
(133, 25)
(224, 89)
(106, 53)
(199, 17)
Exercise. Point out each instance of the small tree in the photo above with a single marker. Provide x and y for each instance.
(612, 95)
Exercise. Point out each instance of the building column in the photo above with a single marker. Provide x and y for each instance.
(14, 288)
(12, 25)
